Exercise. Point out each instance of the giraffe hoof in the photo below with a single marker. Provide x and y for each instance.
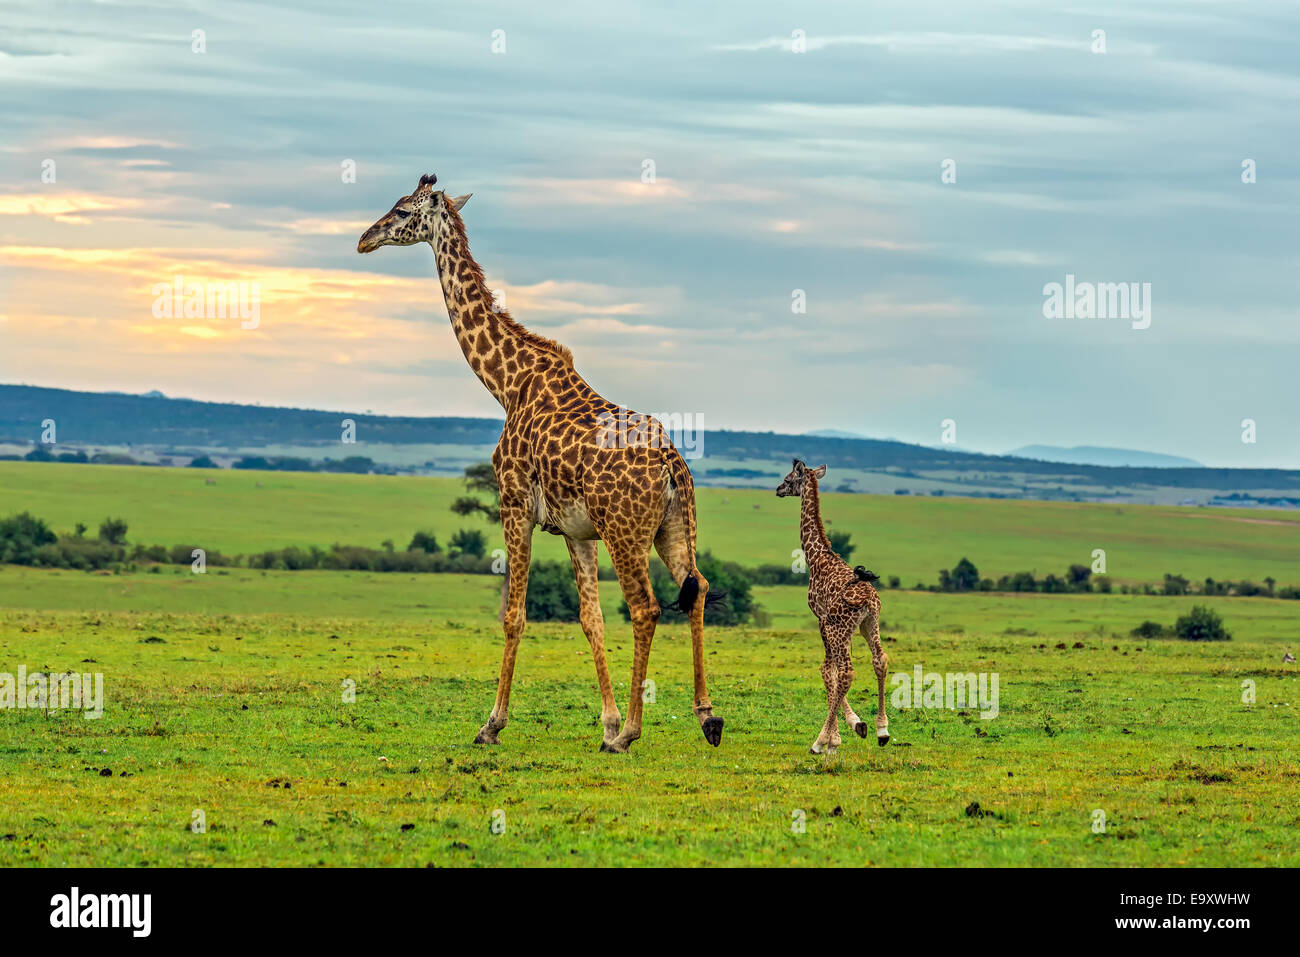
(861, 729)
(882, 736)
(612, 747)
(486, 736)
(712, 728)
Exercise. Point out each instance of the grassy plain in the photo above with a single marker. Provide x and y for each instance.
(236, 710)
(223, 694)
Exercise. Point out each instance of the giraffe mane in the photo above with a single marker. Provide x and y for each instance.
(816, 509)
(523, 332)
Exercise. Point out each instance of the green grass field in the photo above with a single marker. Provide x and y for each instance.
(223, 694)
(911, 537)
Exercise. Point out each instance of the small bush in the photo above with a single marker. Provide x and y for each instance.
(1148, 629)
(113, 531)
(1201, 624)
(20, 537)
(552, 592)
(1052, 585)
(840, 545)
(468, 541)
(424, 542)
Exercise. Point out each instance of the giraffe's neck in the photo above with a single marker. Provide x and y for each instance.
(494, 344)
(812, 535)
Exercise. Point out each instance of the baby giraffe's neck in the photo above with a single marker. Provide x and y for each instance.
(812, 535)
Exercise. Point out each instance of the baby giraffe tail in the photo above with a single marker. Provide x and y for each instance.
(865, 575)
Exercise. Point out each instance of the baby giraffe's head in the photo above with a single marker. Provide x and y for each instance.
(413, 219)
(797, 480)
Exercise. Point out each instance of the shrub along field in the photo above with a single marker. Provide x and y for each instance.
(224, 694)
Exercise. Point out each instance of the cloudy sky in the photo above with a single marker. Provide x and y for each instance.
(794, 147)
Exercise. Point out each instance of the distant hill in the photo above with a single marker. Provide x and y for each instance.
(112, 418)
(168, 427)
(1099, 455)
(834, 434)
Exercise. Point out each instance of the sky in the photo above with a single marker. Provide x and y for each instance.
(766, 215)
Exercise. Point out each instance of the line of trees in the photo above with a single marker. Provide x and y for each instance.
(354, 464)
(965, 577)
(28, 540)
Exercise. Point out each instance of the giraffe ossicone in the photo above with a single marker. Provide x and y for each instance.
(556, 468)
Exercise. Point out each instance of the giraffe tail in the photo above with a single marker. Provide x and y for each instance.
(684, 487)
(690, 594)
(686, 598)
(865, 575)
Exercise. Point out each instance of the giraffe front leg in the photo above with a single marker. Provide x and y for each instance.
(518, 530)
(829, 739)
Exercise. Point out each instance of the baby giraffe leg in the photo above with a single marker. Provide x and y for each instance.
(846, 682)
(829, 739)
(880, 663)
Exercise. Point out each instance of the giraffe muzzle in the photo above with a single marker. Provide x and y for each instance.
(370, 241)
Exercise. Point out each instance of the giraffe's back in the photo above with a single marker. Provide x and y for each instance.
(589, 465)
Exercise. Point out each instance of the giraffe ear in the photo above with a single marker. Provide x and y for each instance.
(460, 201)
(819, 472)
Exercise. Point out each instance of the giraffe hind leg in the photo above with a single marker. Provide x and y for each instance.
(850, 716)
(870, 628)
(829, 738)
(633, 571)
(671, 544)
(584, 557)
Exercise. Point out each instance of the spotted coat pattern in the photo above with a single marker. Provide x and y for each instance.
(845, 603)
(570, 461)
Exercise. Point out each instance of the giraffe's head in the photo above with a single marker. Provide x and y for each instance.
(413, 219)
(794, 483)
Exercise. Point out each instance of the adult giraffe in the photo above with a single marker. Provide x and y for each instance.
(569, 461)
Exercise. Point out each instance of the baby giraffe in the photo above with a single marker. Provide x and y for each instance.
(844, 601)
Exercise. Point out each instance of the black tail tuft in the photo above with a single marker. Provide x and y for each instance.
(690, 594)
(686, 597)
(866, 576)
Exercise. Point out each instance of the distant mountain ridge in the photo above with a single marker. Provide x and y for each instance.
(185, 427)
(1102, 455)
(834, 434)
